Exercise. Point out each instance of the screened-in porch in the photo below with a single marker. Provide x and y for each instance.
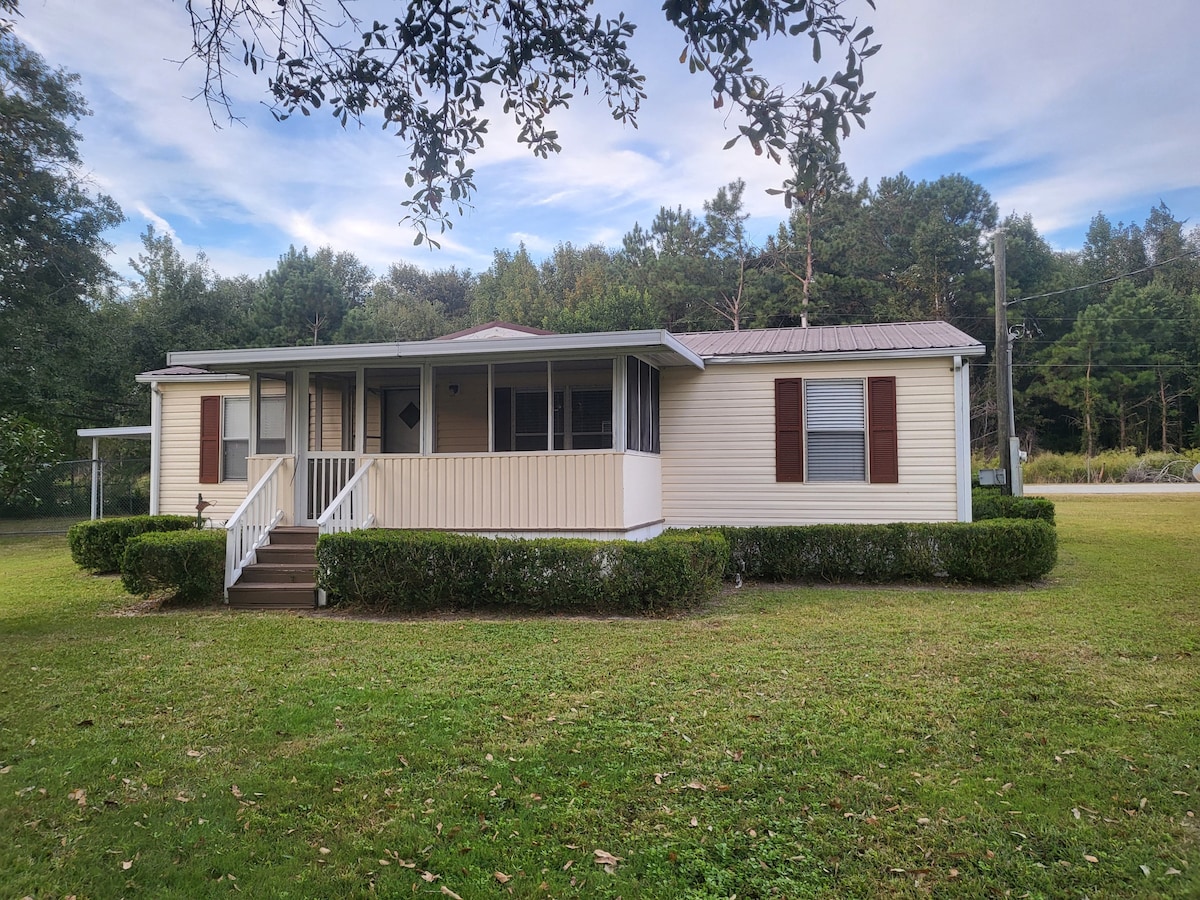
(562, 445)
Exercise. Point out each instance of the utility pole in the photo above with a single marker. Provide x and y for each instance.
(1003, 363)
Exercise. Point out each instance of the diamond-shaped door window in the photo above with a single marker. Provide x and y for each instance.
(410, 415)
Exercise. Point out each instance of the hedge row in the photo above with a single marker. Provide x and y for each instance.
(994, 551)
(991, 503)
(99, 545)
(381, 569)
(188, 565)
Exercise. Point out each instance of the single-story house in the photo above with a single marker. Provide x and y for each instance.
(507, 430)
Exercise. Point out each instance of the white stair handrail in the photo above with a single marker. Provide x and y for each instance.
(250, 525)
(348, 510)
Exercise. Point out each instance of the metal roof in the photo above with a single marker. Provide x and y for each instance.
(903, 339)
(659, 346)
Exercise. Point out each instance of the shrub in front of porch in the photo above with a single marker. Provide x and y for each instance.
(186, 566)
(389, 570)
(99, 545)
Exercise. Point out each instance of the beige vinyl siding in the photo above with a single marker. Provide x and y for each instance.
(718, 448)
(179, 483)
(506, 491)
(461, 420)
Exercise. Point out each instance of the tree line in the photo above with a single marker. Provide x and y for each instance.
(1113, 363)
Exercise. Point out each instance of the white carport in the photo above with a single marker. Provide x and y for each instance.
(131, 432)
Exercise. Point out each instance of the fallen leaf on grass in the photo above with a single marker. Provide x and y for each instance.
(449, 893)
(429, 877)
(5, 770)
(236, 791)
(1090, 858)
(1173, 871)
(501, 877)
(79, 795)
(606, 859)
(1145, 870)
(195, 754)
(127, 864)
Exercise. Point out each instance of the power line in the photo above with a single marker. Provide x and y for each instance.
(1105, 280)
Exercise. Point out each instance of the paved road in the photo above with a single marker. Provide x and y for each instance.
(1169, 489)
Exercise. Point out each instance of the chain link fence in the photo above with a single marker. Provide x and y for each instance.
(61, 495)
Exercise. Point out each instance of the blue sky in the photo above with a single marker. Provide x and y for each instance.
(1060, 108)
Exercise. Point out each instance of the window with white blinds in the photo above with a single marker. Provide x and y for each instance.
(235, 438)
(835, 421)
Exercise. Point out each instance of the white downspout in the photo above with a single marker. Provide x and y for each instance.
(155, 446)
(962, 436)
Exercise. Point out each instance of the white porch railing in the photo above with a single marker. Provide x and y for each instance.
(328, 475)
(249, 527)
(349, 509)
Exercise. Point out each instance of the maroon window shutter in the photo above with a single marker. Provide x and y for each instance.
(210, 440)
(789, 429)
(881, 430)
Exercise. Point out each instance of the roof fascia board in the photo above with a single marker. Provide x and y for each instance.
(416, 352)
(140, 432)
(212, 376)
(847, 355)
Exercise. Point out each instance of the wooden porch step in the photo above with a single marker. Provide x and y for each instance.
(288, 554)
(278, 573)
(294, 534)
(285, 574)
(267, 595)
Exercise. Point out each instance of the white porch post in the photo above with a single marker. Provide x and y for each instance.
(360, 410)
(299, 434)
(95, 475)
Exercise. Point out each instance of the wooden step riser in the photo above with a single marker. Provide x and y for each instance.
(293, 540)
(272, 596)
(279, 574)
(293, 556)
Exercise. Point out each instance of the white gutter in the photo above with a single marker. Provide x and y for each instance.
(845, 355)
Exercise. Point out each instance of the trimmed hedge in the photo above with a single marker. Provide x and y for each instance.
(188, 564)
(994, 551)
(382, 569)
(99, 545)
(991, 503)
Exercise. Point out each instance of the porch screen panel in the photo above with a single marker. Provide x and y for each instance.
(272, 425)
(642, 402)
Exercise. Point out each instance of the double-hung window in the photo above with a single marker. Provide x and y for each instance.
(836, 429)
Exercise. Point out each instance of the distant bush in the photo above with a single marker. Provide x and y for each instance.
(994, 551)
(99, 545)
(990, 503)
(382, 569)
(188, 565)
(1109, 466)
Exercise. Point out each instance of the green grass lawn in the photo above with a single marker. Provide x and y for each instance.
(815, 742)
